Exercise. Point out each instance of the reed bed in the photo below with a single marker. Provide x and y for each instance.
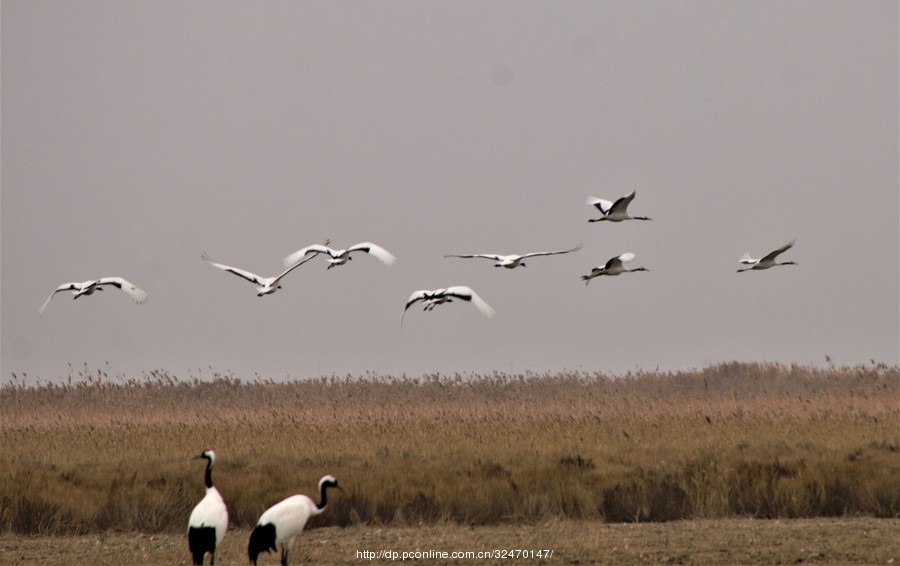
(94, 452)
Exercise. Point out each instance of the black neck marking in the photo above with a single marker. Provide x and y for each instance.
(209, 482)
(323, 494)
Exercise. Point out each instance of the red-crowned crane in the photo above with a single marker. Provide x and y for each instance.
(614, 211)
(88, 288)
(209, 519)
(340, 257)
(614, 266)
(512, 261)
(767, 261)
(264, 285)
(280, 524)
(441, 296)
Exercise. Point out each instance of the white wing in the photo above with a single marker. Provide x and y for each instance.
(292, 514)
(616, 262)
(602, 205)
(293, 267)
(413, 299)
(575, 249)
(138, 295)
(622, 203)
(494, 257)
(210, 512)
(417, 296)
(467, 294)
(385, 256)
(74, 286)
(772, 255)
(314, 249)
(746, 259)
(251, 277)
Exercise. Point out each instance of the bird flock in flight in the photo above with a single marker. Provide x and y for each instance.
(279, 526)
(610, 212)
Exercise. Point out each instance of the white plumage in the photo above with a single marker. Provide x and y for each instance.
(768, 260)
(280, 524)
(88, 287)
(340, 257)
(441, 296)
(264, 285)
(209, 519)
(614, 266)
(512, 261)
(614, 211)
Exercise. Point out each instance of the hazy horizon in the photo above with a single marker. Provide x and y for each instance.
(137, 136)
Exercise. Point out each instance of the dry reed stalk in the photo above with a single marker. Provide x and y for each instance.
(735, 439)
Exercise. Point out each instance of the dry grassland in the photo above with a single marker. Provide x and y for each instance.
(97, 454)
(839, 541)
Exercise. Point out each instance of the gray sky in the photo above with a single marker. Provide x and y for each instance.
(136, 135)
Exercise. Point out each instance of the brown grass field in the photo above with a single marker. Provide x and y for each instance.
(659, 467)
(858, 540)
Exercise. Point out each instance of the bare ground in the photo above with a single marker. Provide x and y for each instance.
(729, 541)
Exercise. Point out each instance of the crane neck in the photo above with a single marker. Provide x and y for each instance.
(323, 499)
(209, 482)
